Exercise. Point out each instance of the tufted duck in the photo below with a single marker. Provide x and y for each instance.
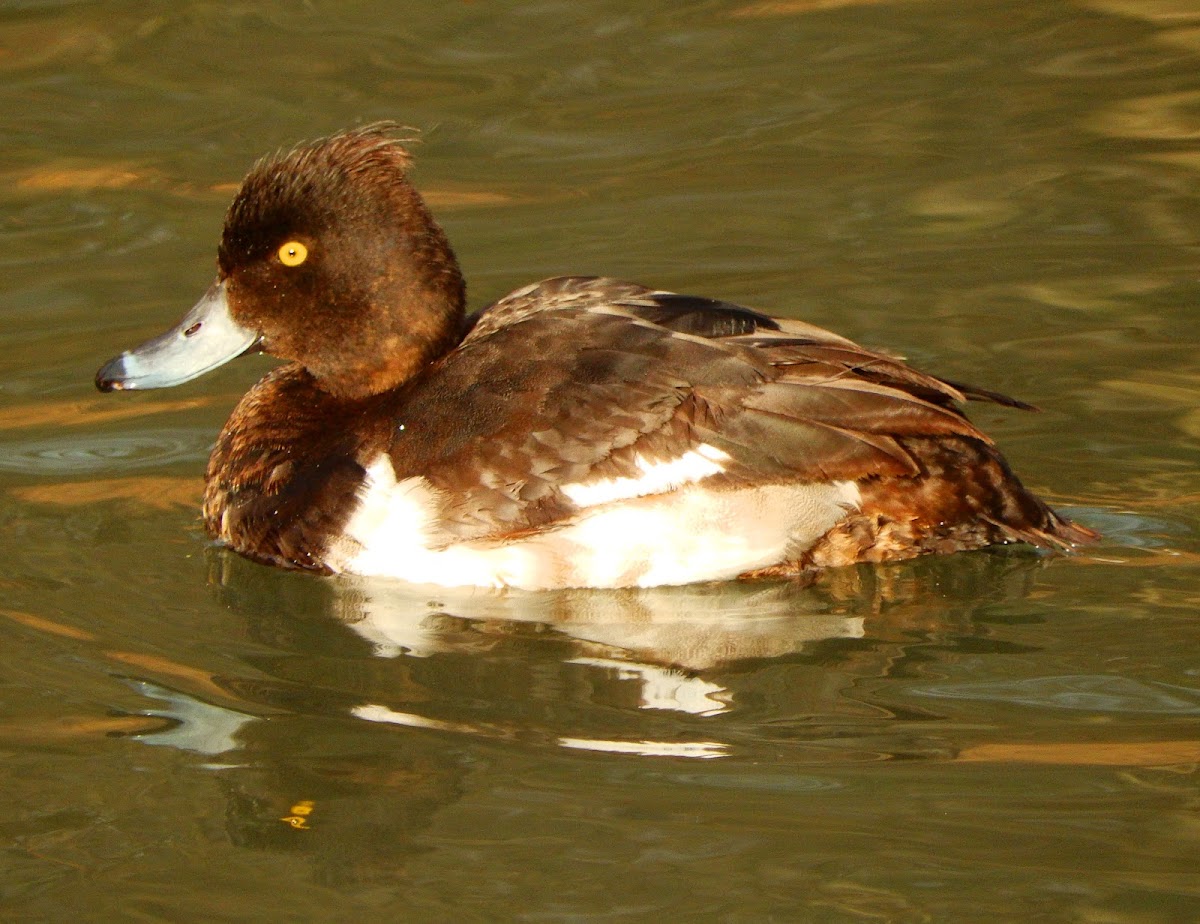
(580, 432)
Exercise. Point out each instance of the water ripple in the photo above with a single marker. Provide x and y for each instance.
(1086, 692)
(64, 229)
(79, 454)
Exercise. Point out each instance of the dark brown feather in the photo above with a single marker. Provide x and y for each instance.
(284, 472)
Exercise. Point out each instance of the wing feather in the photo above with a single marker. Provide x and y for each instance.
(582, 379)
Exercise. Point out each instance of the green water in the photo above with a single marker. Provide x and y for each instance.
(1003, 191)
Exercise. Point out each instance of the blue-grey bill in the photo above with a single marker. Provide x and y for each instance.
(207, 337)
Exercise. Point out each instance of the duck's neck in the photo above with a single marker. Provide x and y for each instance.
(418, 315)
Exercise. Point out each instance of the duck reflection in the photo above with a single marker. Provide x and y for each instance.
(663, 671)
(477, 661)
(353, 714)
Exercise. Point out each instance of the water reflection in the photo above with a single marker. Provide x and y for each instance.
(1099, 693)
(657, 672)
(695, 627)
(355, 711)
(359, 817)
(193, 725)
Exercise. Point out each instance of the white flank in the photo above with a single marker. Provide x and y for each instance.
(656, 478)
(638, 540)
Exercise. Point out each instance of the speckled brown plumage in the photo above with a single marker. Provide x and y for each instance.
(281, 478)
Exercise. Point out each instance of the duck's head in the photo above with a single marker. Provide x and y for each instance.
(328, 258)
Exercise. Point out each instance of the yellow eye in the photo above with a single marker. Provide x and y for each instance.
(293, 253)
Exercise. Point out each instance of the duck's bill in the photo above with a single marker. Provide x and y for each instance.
(207, 337)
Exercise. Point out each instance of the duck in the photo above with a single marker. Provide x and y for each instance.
(579, 432)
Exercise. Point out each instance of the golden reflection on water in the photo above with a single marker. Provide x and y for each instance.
(57, 727)
(53, 41)
(1090, 293)
(95, 411)
(1158, 12)
(1188, 39)
(767, 8)
(40, 624)
(76, 176)
(1160, 117)
(974, 204)
(1092, 754)
(64, 176)
(155, 492)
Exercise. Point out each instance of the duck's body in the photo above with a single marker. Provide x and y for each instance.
(578, 432)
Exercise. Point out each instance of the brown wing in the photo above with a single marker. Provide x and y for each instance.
(578, 378)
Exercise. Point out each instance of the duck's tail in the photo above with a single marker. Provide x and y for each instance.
(1055, 532)
(964, 497)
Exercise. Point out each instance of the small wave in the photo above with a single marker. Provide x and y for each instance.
(1089, 692)
(112, 452)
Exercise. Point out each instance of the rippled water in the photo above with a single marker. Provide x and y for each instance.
(1003, 191)
(76, 454)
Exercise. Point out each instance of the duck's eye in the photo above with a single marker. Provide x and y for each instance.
(293, 253)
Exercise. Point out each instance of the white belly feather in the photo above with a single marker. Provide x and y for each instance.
(631, 532)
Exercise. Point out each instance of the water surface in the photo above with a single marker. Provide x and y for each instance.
(1003, 191)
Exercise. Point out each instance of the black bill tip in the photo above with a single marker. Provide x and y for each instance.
(111, 376)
